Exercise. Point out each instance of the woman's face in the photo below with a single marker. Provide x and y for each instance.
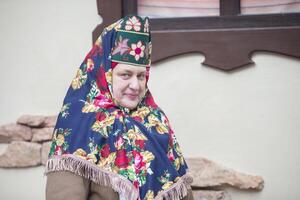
(129, 84)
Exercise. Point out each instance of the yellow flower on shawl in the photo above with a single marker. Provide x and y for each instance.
(92, 158)
(89, 107)
(160, 128)
(177, 163)
(101, 126)
(135, 135)
(102, 162)
(153, 121)
(167, 185)
(109, 120)
(178, 150)
(147, 156)
(149, 195)
(181, 160)
(108, 28)
(79, 79)
(80, 153)
(140, 113)
(91, 103)
(115, 169)
(106, 162)
(60, 139)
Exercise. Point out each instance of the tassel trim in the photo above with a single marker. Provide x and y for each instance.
(90, 171)
(117, 182)
(178, 190)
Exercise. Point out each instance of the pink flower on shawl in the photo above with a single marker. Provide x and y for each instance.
(100, 116)
(58, 150)
(119, 143)
(137, 118)
(105, 151)
(121, 160)
(171, 155)
(103, 102)
(138, 161)
(136, 184)
(140, 143)
(90, 64)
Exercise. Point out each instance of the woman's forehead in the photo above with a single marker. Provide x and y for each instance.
(131, 68)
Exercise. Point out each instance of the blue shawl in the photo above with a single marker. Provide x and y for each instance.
(133, 151)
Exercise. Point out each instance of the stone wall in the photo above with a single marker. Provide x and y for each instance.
(29, 143)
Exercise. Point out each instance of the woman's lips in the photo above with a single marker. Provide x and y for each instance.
(132, 96)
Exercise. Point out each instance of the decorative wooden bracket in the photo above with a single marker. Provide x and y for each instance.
(227, 42)
(226, 49)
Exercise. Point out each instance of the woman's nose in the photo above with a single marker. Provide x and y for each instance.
(134, 83)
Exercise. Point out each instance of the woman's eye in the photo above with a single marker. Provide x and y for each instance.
(125, 75)
(141, 76)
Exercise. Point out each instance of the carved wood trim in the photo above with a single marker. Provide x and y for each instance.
(225, 22)
(110, 11)
(226, 49)
(230, 7)
(227, 41)
(130, 7)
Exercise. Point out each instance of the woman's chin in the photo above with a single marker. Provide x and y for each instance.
(129, 104)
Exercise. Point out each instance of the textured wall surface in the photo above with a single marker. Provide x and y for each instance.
(246, 120)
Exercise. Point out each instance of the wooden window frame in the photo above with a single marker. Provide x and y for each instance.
(227, 41)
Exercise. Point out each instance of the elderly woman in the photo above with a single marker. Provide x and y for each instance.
(111, 140)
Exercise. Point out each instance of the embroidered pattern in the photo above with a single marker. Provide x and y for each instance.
(133, 23)
(137, 50)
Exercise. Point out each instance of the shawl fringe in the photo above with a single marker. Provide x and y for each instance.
(178, 190)
(117, 182)
(89, 171)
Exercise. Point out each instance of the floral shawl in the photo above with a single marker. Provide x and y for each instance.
(133, 151)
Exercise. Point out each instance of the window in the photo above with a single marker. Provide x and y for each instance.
(177, 8)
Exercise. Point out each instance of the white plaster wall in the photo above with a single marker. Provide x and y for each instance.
(42, 43)
(246, 120)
